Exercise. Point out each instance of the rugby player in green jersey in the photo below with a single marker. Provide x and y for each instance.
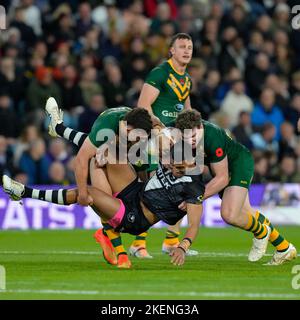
(113, 119)
(232, 167)
(165, 94)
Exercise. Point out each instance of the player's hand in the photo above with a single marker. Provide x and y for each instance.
(182, 206)
(84, 199)
(298, 125)
(178, 257)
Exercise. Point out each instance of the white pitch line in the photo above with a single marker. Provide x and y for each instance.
(96, 253)
(151, 293)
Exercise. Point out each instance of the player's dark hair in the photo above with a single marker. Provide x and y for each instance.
(188, 119)
(178, 36)
(139, 118)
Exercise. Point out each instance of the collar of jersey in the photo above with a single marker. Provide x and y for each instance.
(171, 64)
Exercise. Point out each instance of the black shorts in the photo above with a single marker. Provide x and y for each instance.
(134, 220)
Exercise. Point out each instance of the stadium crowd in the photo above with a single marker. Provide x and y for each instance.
(89, 55)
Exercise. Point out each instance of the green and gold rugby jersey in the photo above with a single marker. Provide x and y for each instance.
(174, 89)
(218, 144)
(108, 119)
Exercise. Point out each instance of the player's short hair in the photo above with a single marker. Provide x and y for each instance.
(179, 36)
(139, 118)
(188, 119)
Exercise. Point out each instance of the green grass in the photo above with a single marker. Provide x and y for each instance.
(69, 265)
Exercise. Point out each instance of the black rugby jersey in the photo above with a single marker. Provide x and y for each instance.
(163, 193)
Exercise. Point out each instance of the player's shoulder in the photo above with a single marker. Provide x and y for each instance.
(115, 111)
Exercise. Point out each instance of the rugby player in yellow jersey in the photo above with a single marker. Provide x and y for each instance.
(165, 94)
(232, 167)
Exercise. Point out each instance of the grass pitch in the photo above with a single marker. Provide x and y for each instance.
(69, 265)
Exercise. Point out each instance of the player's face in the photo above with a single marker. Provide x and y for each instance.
(193, 136)
(179, 170)
(182, 51)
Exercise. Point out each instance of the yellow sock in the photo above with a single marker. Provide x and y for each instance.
(172, 238)
(115, 239)
(256, 227)
(140, 240)
(276, 238)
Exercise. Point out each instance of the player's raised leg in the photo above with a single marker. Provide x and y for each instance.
(57, 127)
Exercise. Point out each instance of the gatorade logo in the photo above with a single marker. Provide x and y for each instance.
(219, 152)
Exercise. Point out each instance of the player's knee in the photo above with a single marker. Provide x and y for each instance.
(229, 215)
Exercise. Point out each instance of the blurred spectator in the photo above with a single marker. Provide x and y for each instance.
(71, 91)
(243, 131)
(84, 21)
(114, 89)
(29, 134)
(34, 163)
(18, 21)
(89, 85)
(163, 14)
(281, 17)
(295, 83)
(292, 112)
(6, 158)
(234, 55)
(10, 81)
(32, 16)
(57, 151)
(257, 73)
(57, 174)
(280, 88)
(260, 170)
(9, 123)
(265, 141)
(266, 111)
(289, 141)
(206, 102)
(90, 114)
(236, 101)
(288, 170)
(39, 90)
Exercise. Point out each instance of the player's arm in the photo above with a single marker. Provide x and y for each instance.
(187, 104)
(147, 97)
(86, 152)
(220, 179)
(194, 214)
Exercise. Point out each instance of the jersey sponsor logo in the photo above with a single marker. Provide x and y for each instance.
(131, 217)
(181, 90)
(219, 152)
(167, 113)
(179, 107)
(243, 182)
